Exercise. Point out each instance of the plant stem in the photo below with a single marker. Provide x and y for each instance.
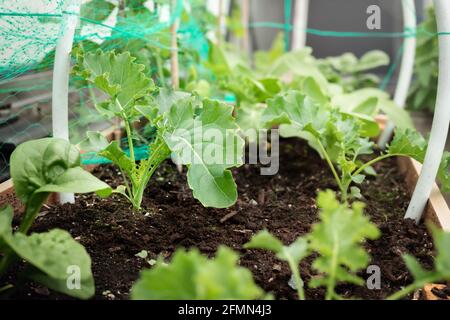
(34, 204)
(130, 140)
(334, 265)
(333, 169)
(410, 288)
(297, 278)
(158, 155)
(373, 161)
(5, 288)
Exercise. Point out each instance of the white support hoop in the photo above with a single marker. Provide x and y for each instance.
(300, 24)
(406, 69)
(439, 130)
(60, 86)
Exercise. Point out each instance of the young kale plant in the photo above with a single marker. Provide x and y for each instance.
(350, 72)
(291, 254)
(341, 138)
(201, 134)
(336, 239)
(39, 168)
(440, 272)
(192, 276)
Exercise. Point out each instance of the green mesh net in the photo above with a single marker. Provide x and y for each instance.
(30, 30)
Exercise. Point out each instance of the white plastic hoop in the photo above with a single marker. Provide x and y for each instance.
(406, 69)
(439, 130)
(60, 86)
(300, 24)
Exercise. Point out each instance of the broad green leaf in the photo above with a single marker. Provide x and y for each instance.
(353, 102)
(368, 107)
(265, 240)
(293, 253)
(167, 97)
(264, 59)
(123, 80)
(191, 276)
(6, 218)
(96, 10)
(371, 60)
(84, 290)
(114, 153)
(296, 251)
(298, 63)
(248, 118)
(399, 116)
(94, 142)
(51, 165)
(345, 63)
(338, 239)
(312, 89)
(209, 145)
(367, 103)
(296, 109)
(200, 87)
(54, 253)
(75, 179)
(174, 281)
(410, 143)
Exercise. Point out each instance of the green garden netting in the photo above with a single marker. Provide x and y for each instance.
(29, 32)
(30, 29)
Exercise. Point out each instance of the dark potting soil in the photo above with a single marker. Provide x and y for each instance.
(284, 204)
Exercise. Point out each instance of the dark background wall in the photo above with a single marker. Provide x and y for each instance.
(336, 15)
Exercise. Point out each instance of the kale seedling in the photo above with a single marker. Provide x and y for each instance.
(340, 138)
(39, 168)
(336, 239)
(440, 272)
(350, 72)
(291, 254)
(201, 134)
